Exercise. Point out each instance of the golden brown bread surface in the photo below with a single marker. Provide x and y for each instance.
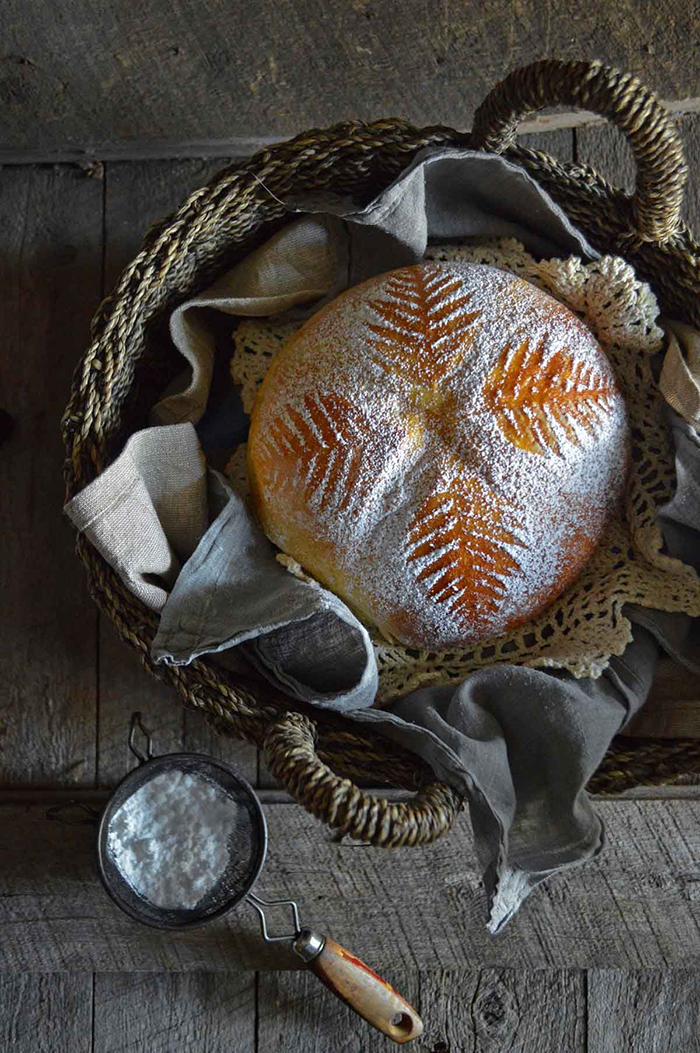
(441, 446)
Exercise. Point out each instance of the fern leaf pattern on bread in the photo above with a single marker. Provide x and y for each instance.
(423, 331)
(458, 541)
(528, 391)
(442, 446)
(325, 446)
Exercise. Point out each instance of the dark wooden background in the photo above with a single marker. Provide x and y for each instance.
(111, 113)
(95, 75)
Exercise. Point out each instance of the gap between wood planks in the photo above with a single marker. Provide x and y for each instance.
(52, 795)
(635, 906)
(241, 148)
(486, 1010)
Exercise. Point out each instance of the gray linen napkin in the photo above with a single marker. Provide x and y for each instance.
(519, 743)
(233, 590)
(444, 194)
(297, 265)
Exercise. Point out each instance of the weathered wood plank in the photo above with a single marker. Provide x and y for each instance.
(486, 1012)
(559, 143)
(673, 707)
(45, 798)
(71, 72)
(174, 1013)
(46, 1013)
(688, 790)
(50, 266)
(689, 127)
(637, 906)
(643, 1012)
(137, 195)
(606, 150)
(241, 147)
(124, 687)
(601, 146)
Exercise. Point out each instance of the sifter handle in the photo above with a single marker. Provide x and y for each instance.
(359, 987)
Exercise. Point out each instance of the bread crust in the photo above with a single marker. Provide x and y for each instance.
(441, 446)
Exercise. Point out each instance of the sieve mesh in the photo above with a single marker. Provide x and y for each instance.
(246, 843)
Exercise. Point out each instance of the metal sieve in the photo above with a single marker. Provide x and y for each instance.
(344, 974)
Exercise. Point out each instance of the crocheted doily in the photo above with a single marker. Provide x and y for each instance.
(583, 628)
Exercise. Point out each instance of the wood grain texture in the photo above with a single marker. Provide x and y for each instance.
(76, 72)
(673, 707)
(462, 1009)
(139, 194)
(136, 196)
(636, 906)
(602, 147)
(210, 1012)
(241, 147)
(46, 1013)
(643, 1012)
(689, 128)
(50, 266)
(558, 143)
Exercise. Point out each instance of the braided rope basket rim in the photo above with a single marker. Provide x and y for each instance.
(130, 360)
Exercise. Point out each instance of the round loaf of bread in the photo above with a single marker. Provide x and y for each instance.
(441, 447)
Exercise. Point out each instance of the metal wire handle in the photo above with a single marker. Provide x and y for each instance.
(137, 725)
(655, 213)
(259, 904)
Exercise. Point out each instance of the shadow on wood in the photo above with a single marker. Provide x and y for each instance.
(635, 906)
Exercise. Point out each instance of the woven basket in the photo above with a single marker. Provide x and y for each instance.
(131, 359)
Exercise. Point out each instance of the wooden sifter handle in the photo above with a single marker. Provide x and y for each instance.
(359, 987)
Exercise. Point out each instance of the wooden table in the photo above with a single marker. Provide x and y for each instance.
(603, 959)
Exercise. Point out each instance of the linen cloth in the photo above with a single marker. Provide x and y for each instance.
(519, 743)
(147, 513)
(233, 590)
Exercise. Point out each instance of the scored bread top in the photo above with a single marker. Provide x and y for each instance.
(441, 446)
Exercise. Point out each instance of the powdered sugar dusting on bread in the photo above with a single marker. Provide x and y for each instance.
(441, 446)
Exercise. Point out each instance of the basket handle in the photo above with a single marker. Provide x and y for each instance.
(626, 102)
(290, 751)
